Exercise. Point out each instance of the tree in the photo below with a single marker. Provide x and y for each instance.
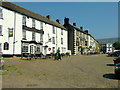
(116, 45)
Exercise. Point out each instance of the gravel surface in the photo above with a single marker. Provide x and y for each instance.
(95, 71)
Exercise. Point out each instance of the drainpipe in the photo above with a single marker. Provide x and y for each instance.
(14, 34)
(56, 39)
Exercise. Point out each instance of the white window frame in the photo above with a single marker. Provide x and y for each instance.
(24, 50)
(41, 25)
(33, 23)
(24, 34)
(33, 36)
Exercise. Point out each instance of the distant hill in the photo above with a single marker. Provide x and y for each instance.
(107, 40)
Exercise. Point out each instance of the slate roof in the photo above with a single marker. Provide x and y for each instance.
(23, 11)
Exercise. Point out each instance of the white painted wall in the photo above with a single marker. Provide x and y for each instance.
(48, 29)
(9, 22)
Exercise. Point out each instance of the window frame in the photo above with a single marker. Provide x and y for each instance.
(33, 36)
(41, 25)
(53, 40)
(1, 13)
(6, 46)
(61, 31)
(1, 29)
(24, 19)
(24, 34)
(33, 23)
(61, 40)
(24, 49)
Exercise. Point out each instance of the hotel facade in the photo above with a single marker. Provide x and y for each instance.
(25, 32)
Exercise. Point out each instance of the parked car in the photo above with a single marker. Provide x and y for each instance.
(109, 53)
(117, 69)
(116, 60)
(116, 54)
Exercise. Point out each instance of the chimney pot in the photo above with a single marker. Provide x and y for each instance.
(74, 24)
(81, 28)
(58, 21)
(48, 16)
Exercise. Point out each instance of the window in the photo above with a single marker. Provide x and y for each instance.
(86, 43)
(1, 13)
(53, 49)
(24, 20)
(31, 49)
(61, 40)
(61, 31)
(41, 37)
(38, 49)
(10, 30)
(6, 46)
(33, 36)
(0, 29)
(24, 34)
(53, 29)
(25, 49)
(0, 47)
(33, 23)
(41, 25)
(53, 40)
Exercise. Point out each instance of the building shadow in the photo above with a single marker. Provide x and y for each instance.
(111, 76)
(110, 64)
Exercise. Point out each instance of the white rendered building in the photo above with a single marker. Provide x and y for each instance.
(25, 32)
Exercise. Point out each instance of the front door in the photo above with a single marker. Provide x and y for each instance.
(31, 49)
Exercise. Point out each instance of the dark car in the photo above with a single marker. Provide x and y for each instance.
(116, 60)
(117, 69)
(115, 54)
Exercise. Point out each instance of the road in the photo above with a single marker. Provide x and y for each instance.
(95, 71)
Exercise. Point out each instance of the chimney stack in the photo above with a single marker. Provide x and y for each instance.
(81, 28)
(58, 21)
(66, 20)
(86, 31)
(48, 16)
(74, 24)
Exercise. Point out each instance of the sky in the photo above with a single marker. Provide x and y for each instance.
(99, 18)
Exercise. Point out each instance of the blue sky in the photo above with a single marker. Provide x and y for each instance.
(100, 18)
